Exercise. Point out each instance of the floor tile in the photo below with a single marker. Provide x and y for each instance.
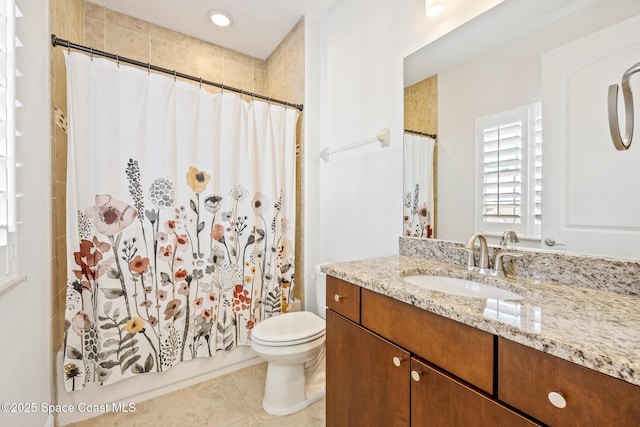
(232, 400)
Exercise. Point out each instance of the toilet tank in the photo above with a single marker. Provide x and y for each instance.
(321, 291)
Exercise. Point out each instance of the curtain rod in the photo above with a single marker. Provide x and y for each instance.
(65, 43)
(415, 132)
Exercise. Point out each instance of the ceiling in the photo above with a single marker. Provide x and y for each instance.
(259, 25)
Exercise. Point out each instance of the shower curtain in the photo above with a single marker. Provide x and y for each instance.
(180, 220)
(418, 185)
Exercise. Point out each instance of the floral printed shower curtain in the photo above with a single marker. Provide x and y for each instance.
(418, 185)
(180, 220)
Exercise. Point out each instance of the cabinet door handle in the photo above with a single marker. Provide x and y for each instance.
(397, 360)
(415, 375)
(557, 400)
(337, 297)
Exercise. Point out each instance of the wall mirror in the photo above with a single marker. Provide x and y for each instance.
(562, 55)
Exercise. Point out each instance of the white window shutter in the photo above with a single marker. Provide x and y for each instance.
(9, 134)
(502, 173)
(509, 171)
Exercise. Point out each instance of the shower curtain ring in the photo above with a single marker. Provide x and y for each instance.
(68, 47)
(174, 75)
(200, 82)
(91, 54)
(118, 60)
(149, 68)
(221, 88)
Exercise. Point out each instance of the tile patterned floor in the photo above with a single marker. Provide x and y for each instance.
(232, 400)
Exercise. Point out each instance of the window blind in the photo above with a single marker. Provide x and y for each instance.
(9, 43)
(509, 171)
(502, 173)
(537, 191)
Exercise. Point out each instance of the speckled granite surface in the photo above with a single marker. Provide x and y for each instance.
(613, 275)
(591, 327)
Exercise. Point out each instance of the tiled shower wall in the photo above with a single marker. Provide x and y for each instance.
(104, 29)
(421, 115)
(66, 22)
(421, 106)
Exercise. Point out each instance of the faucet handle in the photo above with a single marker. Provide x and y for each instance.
(471, 261)
(498, 265)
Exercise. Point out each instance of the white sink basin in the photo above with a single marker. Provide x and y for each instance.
(462, 287)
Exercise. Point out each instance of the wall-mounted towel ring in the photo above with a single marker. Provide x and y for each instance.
(619, 142)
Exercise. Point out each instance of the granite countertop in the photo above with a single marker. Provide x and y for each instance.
(590, 327)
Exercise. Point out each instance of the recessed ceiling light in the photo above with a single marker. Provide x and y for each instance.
(220, 18)
(434, 7)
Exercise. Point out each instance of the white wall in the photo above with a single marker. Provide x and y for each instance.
(360, 191)
(25, 360)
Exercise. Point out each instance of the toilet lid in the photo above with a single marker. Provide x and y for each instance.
(296, 326)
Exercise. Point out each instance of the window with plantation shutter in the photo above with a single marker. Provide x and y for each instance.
(537, 165)
(9, 104)
(509, 159)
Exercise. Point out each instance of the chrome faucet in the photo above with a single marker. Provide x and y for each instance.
(483, 265)
(508, 236)
(498, 263)
(483, 259)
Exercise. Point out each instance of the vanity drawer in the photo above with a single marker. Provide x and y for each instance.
(459, 349)
(526, 377)
(343, 298)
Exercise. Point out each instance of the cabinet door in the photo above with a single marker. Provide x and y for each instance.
(437, 399)
(527, 378)
(364, 385)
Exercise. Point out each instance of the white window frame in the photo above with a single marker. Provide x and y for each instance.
(529, 117)
(8, 163)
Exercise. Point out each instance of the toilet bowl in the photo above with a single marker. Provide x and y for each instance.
(293, 345)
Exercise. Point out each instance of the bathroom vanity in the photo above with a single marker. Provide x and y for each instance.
(400, 355)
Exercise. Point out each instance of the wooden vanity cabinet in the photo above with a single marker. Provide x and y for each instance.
(393, 364)
(370, 366)
(526, 377)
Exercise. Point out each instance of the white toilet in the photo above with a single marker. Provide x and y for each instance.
(293, 344)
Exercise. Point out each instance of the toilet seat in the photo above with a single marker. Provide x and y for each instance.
(286, 343)
(288, 329)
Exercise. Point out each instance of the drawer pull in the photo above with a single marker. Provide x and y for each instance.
(415, 375)
(557, 400)
(397, 360)
(337, 297)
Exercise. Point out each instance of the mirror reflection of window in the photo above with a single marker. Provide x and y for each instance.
(509, 165)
